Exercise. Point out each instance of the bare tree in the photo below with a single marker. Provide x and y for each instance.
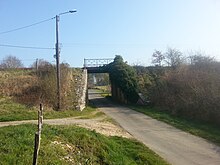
(158, 57)
(199, 58)
(173, 57)
(11, 62)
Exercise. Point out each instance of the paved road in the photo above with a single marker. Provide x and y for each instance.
(175, 146)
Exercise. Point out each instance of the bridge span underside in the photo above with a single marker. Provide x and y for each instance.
(96, 70)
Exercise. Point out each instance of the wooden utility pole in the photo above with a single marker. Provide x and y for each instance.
(58, 62)
(58, 57)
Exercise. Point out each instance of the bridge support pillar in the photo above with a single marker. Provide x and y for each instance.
(83, 91)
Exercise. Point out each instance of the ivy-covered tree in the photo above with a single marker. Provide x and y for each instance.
(124, 76)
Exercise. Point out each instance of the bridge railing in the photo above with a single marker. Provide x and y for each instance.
(97, 62)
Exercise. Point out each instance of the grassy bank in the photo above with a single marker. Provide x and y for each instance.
(14, 81)
(71, 145)
(12, 111)
(204, 130)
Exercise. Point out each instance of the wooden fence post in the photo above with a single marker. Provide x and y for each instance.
(38, 135)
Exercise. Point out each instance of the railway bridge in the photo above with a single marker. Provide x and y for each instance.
(99, 66)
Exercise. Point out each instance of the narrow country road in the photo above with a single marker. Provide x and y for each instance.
(175, 146)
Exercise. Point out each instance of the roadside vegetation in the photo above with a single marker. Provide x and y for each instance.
(71, 145)
(182, 86)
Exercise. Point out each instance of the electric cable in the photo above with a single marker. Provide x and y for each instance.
(24, 27)
(25, 47)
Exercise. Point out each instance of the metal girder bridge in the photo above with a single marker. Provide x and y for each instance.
(97, 65)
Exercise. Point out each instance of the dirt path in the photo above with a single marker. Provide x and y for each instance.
(97, 124)
(176, 146)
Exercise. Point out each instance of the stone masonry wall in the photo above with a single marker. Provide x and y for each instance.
(81, 91)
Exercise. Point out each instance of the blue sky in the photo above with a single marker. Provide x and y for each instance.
(105, 28)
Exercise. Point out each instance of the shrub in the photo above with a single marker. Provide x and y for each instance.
(192, 91)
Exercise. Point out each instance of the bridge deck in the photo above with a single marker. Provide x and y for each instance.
(96, 70)
(97, 65)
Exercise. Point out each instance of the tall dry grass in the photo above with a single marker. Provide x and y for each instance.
(31, 87)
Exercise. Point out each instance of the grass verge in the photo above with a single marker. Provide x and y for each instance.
(12, 111)
(204, 130)
(63, 145)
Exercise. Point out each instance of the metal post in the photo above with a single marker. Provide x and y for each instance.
(58, 62)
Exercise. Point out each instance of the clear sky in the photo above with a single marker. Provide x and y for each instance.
(105, 28)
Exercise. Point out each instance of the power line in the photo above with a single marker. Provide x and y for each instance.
(22, 60)
(26, 47)
(9, 31)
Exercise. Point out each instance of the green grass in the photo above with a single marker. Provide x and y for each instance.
(12, 111)
(63, 145)
(88, 113)
(103, 90)
(204, 130)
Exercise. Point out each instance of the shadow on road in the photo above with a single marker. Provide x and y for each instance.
(101, 102)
